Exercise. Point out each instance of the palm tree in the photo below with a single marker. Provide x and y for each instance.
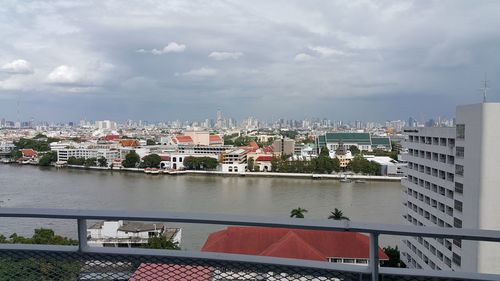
(337, 215)
(298, 213)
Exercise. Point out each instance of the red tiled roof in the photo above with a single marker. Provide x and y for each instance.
(111, 137)
(267, 149)
(215, 138)
(30, 153)
(165, 158)
(182, 138)
(166, 272)
(253, 144)
(127, 142)
(290, 243)
(264, 158)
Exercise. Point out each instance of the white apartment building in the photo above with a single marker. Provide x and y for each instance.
(453, 180)
(129, 234)
(235, 161)
(63, 154)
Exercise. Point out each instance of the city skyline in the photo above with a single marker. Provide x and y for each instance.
(149, 60)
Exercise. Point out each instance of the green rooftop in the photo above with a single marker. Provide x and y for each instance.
(359, 138)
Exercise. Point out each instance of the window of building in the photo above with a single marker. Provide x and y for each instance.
(457, 259)
(460, 131)
(460, 152)
(336, 260)
(459, 188)
(457, 223)
(458, 205)
(459, 170)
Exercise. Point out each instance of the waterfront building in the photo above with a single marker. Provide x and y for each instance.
(235, 160)
(129, 234)
(6, 148)
(263, 163)
(363, 141)
(332, 246)
(343, 154)
(388, 166)
(65, 153)
(28, 153)
(452, 181)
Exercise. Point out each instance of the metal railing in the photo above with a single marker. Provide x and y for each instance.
(264, 267)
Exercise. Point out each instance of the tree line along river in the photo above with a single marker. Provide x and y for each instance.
(36, 187)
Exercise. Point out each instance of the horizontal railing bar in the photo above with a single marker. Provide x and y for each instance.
(446, 274)
(38, 247)
(313, 224)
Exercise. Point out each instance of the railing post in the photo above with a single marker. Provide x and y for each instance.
(374, 261)
(82, 235)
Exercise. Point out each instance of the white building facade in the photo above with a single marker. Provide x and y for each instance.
(452, 181)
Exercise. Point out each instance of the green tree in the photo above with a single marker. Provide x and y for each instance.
(251, 164)
(48, 158)
(200, 163)
(325, 152)
(337, 215)
(394, 257)
(103, 162)
(298, 213)
(242, 141)
(289, 134)
(336, 165)
(38, 268)
(131, 160)
(161, 242)
(150, 142)
(152, 161)
(16, 154)
(38, 145)
(354, 150)
(90, 162)
(76, 161)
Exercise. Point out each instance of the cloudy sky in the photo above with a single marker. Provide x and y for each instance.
(160, 60)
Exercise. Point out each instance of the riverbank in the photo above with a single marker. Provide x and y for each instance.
(299, 175)
(339, 176)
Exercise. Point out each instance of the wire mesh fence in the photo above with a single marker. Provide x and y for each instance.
(24, 265)
(41, 265)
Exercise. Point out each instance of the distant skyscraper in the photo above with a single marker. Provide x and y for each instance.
(411, 122)
(220, 120)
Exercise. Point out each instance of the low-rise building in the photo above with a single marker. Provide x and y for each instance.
(333, 246)
(363, 141)
(388, 166)
(235, 161)
(129, 234)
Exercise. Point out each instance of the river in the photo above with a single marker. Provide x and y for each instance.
(36, 187)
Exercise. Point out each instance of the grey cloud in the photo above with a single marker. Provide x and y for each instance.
(306, 57)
